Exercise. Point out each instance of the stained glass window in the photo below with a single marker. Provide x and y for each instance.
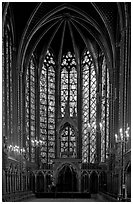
(30, 111)
(88, 109)
(47, 109)
(68, 84)
(105, 112)
(68, 142)
(7, 86)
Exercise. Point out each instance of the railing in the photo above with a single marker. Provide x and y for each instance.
(17, 196)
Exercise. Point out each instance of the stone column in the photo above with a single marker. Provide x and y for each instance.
(3, 182)
(14, 181)
(79, 182)
(7, 184)
(89, 181)
(35, 183)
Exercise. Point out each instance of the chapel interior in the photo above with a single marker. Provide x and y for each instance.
(66, 100)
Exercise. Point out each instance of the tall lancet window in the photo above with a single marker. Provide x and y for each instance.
(47, 109)
(68, 84)
(88, 109)
(7, 86)
(30, 111)
(105, 112)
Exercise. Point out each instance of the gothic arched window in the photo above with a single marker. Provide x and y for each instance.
(30, 111)
(47, 109)
(68, 84)
(68, 142)
(7, 94)
(88, 109)
(104, 112)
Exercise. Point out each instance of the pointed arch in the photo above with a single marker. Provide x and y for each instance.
(85, 181)
(94, 182)
(40, 182)
(67, 179)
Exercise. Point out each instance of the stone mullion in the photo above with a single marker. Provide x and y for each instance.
(24, 112)
(121, 82)
(126, 88)
(129, 80)
(116, 92)
(105, 134)
(29, 95)
(58, 85)
(37, 112)
(111, 115)
(112, 118)
(79, 106)
(3, 93)
(56, 106)
(123, 125)
(47, 114)
(15, 96)
(21, 126)
(18, 124)
(11, 89)
(125, 82)
(7, 88)
(68, 72)
(18, 120)
(89, 111)
(127, 68)
(99, 94)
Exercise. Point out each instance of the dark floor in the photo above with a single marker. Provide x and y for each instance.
(94, 198)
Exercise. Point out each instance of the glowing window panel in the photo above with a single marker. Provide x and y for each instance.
(7, 91)
(68, 143)
(47, 109)
(88, 109)
(105, 112)
(30, 111)
(68, 84)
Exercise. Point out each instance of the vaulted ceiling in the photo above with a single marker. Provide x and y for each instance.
(65, 26)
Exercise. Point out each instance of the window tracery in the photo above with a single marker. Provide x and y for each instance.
(7, 94)
(68, 95)
(30, 104)
(88, 109)
(47, 109)
(68, 142)
(68, 83)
